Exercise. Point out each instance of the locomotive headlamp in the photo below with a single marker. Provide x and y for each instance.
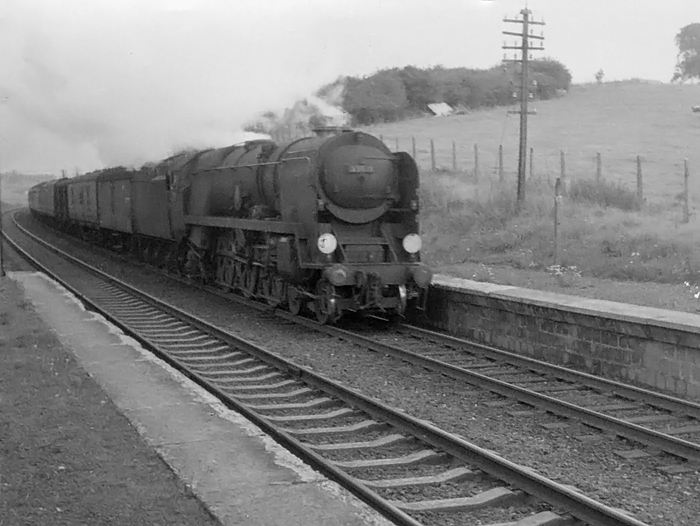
(412, 243)
(327, 243)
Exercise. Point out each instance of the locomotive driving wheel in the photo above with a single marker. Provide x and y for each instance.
(326, 302)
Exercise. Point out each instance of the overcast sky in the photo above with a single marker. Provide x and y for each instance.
(93, 83)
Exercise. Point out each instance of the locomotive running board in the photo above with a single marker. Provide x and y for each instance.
(277, 227)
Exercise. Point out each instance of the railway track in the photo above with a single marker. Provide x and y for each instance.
(408, 469)
(663, 422)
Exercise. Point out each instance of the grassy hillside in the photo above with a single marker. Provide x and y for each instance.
(474, 222)
(619, 120)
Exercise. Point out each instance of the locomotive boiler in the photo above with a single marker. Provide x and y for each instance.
(326, 224)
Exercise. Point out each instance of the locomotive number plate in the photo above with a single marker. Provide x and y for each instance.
(360, 169)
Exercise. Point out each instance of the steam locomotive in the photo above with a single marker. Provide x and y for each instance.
(325, 224)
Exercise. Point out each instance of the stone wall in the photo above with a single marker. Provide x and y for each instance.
(649, 347)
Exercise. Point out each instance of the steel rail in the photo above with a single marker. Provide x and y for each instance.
(654, 398)
(577, 504)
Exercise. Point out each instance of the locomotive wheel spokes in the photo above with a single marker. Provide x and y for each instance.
(277, 291)
(221, 270)
(326, 302)
(266, 279)
(250, 283)
(296, 300)
(264, 285)
(238, 275)
(229, 273)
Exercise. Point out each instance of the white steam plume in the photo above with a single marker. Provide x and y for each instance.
(95, 83)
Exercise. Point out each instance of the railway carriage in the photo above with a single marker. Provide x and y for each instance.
(81, 193)
(114, 201)
(41, 198)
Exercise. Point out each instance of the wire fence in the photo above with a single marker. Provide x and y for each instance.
(653, 179)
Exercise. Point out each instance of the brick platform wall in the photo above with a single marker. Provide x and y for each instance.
(650, 347)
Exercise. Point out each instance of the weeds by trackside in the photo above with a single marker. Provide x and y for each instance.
(694, 289)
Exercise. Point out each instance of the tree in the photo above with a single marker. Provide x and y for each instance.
(420, 90)
(688, 63)
(599, 76)
(378, 98)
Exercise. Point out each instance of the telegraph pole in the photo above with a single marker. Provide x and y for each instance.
(525, 47)
(2, 261)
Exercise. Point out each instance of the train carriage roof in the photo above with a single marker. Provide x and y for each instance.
(116, 174)
(85, 178)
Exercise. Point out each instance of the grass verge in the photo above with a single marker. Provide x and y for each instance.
(603, 231)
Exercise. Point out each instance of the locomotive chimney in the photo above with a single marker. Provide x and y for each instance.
(327, 131)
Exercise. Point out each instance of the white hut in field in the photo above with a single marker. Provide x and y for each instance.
(440, 109)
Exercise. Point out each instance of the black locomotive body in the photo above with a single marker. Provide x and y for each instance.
(327, 223)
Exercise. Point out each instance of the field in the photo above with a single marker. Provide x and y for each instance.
(620, 120)
(471, 227)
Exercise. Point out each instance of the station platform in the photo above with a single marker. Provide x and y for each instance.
(231, 466)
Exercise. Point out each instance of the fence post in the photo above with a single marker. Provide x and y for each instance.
(413, 143)
(557, 201)
(500, 163)
(476, 162)
(640, 186)
(598, 167)
(686, 197)
(397, 144)
(454, 157)
(432, 155)
(562, 174)
(532, 163)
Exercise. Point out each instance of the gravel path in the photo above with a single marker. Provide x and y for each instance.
(634, 486)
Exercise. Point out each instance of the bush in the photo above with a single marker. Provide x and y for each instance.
(551, 75)
(379, 98)
(603, 193)
(394, 94)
